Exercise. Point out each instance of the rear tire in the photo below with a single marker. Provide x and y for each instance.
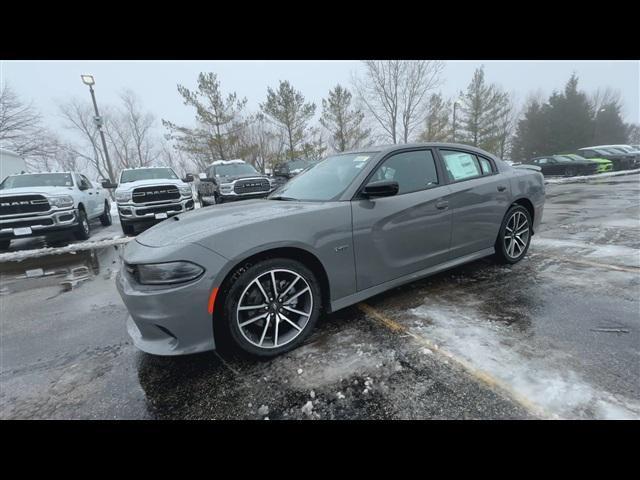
(83, 230)
(4, 245)
(570, 172)
(514, 237)
(105, 218)
(286, 322)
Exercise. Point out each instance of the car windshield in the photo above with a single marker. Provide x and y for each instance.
(147, 174)
(326, 180)
(233, 169)
(38, 180)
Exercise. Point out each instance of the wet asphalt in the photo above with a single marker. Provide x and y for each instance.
(555, 336)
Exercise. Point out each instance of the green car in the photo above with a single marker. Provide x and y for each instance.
(604, 165)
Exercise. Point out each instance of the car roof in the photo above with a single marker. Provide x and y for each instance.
(387, 148)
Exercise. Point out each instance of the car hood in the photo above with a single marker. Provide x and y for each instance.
(191, 227)
(41, 190)
(124, 187)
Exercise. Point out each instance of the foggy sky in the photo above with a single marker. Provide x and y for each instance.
(48, 83)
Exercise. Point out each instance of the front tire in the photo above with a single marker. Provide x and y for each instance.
(267, 318)
(83, 230)
(514, 236)
(127, 228)
(105, 218)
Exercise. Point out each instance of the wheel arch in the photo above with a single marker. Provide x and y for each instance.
(528, 204)
(307, 258)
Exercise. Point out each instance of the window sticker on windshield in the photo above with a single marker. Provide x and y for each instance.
(361, 158)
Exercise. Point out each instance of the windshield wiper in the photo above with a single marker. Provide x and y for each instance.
(284, 199)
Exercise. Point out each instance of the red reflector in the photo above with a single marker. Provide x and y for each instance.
(212, 299)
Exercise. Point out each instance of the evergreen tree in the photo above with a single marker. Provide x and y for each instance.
(483, 109)
(437, 125)
(609, 128)
(569, 119)
(286, 108)
(343, 123)
(218, 118)
(531, 133)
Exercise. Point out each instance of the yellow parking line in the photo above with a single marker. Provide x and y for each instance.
(480, 375)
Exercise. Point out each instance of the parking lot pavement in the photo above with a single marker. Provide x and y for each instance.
(555, 336)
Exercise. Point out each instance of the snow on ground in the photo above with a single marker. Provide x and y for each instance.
(615, 254)
(20, 255)
(584, 178)
(498, 350)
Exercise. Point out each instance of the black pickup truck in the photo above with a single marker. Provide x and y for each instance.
(229, 180)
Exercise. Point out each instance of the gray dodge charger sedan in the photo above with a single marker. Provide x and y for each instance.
(261, 272)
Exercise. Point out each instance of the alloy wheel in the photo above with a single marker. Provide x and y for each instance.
(274, 308)
(516, 235)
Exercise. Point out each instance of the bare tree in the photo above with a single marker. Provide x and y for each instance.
(395, 93)
(129, 130)
(602, 97)
(21, 130)
(78, 116)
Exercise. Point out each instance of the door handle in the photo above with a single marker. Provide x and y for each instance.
(442, 204)
(501, 188)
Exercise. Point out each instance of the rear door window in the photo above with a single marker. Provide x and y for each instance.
(461, 165)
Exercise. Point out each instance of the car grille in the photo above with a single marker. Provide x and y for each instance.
(26, 223)
(159, 209)
(257, 185)
(23, 204)
(155, 194)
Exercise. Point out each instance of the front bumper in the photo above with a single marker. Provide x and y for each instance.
(146, 212)
(170, 320)
(52, 221)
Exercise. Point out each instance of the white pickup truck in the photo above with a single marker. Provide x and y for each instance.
(148, 195)
(47, 204)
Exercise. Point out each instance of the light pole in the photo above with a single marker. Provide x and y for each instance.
(455, 104)
(89, 80)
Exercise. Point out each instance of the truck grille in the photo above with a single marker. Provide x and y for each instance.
(159, 209)
(257, 185)
(23, 204)
(155, 194)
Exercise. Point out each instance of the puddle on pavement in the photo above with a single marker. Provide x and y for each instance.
(69, 269)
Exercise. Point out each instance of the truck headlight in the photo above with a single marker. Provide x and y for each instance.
(185, 191)
(61, 201)
(226, 187)
(123, 196)
(165, 273)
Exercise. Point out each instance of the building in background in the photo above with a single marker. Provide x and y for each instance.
(11, 163)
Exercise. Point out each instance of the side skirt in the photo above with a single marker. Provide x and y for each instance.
(371, 291)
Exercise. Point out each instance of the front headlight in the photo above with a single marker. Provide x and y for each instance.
(165, 273)
(123, 196)
(226, 187)
(61, 201)
(185, 191)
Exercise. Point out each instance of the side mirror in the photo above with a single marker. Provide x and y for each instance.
(108, 184)
(83, 186)
(382, 188)
(188, 178)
